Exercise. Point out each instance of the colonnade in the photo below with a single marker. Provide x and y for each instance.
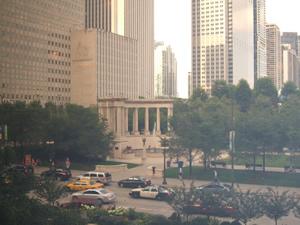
(116, 109)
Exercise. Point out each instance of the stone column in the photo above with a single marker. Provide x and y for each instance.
(158, 132)
(147, 121)
(126, 121)
(170, 114)
(119, 121)
(136, 121)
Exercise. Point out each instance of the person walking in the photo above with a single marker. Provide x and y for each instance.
(38, 162)
(153, 171)
(68, 162)
(180, 173)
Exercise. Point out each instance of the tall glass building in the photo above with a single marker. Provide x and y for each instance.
(222, 42)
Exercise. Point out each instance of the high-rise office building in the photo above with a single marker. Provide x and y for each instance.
(290, 64)
(222, 42)
(165, 75)
(291, 38)
(129, 19)
(35, 49)
(260, 49)
(274, 68)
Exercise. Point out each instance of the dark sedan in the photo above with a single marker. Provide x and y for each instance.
(22, 168)
(134, 181)
(58, 173)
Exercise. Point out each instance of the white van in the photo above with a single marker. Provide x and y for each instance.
(98, 176)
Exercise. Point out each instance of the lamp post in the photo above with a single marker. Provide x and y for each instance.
(164, 144)
(144, 156)
(231, 135)
(2, 96)
(51, 152)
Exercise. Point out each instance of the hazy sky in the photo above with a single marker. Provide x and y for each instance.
(173, 27)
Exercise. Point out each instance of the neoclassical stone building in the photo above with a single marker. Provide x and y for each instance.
(115, 109)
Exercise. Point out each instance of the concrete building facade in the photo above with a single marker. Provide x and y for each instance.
(274, 66)
(290, 65)
(222, 42)
(165, 75)
(35, 49)
(260, 48)
(131, 19)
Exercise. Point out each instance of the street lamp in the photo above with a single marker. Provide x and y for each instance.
(51, 152)
(144, 156)
(231, 135)
(164, 144)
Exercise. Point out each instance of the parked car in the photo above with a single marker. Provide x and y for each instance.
(222, 211)
(101, 194)
(22, 168)
(58, 173)
(134, 181)
(216, 187)
(79, 203)
(154, 192)
(98, 176)
(81, 185)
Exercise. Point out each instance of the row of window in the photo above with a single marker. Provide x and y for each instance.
(59, 80)
(37, 97)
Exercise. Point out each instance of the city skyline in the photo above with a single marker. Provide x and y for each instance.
(176, 30)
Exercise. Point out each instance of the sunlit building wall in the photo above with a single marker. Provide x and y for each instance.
(165, 76)
(290, 64)
(222, 42)
(274, 68)
(131, 19)
(35, 62)
(260, 48)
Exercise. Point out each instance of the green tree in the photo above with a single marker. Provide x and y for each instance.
(51, 190)
(220, 88)
(256, 130)
(290, 123)
(248, 206)
(278, 205)
(264, 86)
(289, 88)
(243, 95)
(183, 199)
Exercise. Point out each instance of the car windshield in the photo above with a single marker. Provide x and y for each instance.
(92, 182)
(141, 178)
(103, 191)
(162, 188)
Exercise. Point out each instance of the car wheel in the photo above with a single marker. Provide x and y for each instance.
(74, 197)
(158, 197)
(121, 185)
(100, 200)
(58, 178)
(139, 186)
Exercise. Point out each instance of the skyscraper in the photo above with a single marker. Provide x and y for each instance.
(35, 49)
(165, 75)
(222, 42)
(292, 39)
(274, 55)
(130, 19)
(290, 64)
(260, 49)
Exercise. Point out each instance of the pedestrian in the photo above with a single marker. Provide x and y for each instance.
(68, 162)
(216, 176)
(38, 162)
(180, 173)
(153, 171)
(32, 162)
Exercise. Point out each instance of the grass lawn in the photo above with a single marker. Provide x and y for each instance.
(240, 176)
(271, 161)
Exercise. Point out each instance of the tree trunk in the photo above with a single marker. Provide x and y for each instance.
(254, 159)
(264, 161)
(204, 162)
(190, 161)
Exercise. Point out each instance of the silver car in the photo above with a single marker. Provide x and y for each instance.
(101, 194)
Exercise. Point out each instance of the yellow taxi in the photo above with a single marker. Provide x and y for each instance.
(81, 185)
